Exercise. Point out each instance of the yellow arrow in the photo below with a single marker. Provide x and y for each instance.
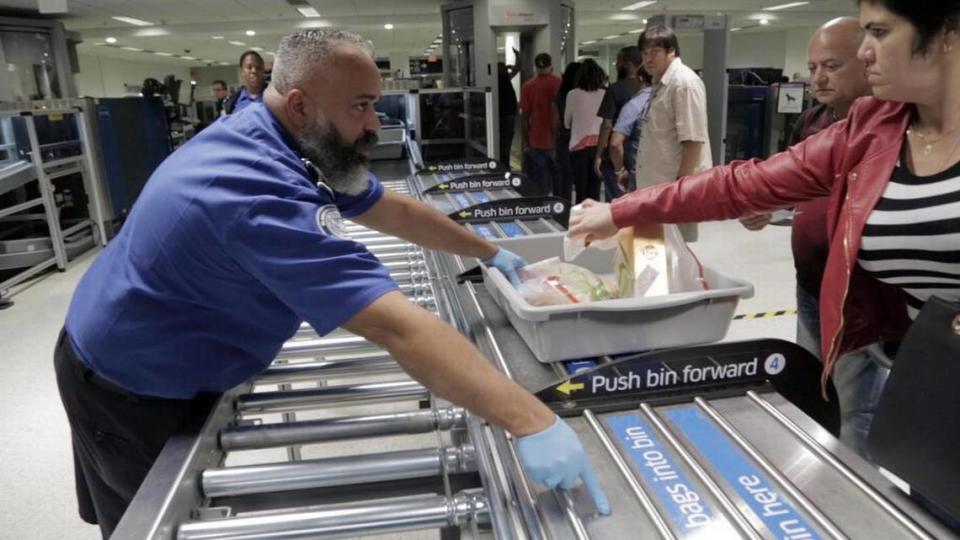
(568, 387)
(465, 214)
(443, 186)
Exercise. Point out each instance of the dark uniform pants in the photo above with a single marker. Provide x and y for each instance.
(117, 435)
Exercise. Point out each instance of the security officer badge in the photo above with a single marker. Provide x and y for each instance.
(330, 222)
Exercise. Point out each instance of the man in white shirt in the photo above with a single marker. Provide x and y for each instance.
(675, 141)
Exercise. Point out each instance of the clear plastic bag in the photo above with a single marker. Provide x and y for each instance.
(551, 282)
(685, 273)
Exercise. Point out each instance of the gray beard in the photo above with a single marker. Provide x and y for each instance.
(342, 166)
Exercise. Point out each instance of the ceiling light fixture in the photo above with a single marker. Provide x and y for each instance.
(636, 30)
(187, 58)
(591, 42)
(216, 37)
(224, 63)
(638, 5)
(785, 6)
(313, 23)
(111, 40)
(611, 36)
(764, 22)
(132, 49)
(308, 11)
(388, 26)
(151, 32)
(161, 53)
(736, 29)
(131, 20)
(258, 49)
(251, 32)
(237, 43)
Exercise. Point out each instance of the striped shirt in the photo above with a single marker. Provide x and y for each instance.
(912, 237)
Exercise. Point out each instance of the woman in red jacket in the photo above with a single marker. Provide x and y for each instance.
(891, 170)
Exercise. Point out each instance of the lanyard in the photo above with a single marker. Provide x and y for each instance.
(317, 176)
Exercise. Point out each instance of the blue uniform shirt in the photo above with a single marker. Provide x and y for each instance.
(630, 124)
(245, 99)
(230, 245)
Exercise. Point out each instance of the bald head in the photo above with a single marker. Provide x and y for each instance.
(842, 33)
(838, 77)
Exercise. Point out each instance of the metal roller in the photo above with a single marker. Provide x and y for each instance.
(346, 367)
(386, 257)
(347, 520)
(377, 240)
(409, 276)
(338, 471)
(395, 246)
(362, 234)
(310, 348)
(332, 396)
(337, 429)
(412, 265)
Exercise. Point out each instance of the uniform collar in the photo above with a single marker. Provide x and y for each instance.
(309, 170)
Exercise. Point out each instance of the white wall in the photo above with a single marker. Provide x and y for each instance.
(786, 50)
(105, 77)
(797, 41)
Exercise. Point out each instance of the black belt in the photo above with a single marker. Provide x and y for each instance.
(94, 378)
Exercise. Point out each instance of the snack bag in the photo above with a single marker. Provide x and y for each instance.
(641, 262)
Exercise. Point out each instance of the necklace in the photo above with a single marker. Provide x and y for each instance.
(928, 143)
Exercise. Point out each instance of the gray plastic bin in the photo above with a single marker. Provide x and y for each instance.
(557, 333)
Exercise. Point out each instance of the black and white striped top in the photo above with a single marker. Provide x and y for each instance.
(912, 237)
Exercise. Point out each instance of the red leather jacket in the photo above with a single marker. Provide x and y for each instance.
(851, 162)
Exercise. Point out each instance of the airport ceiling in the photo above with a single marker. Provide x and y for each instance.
(217, 31)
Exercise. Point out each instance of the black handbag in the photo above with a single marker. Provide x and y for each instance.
(916, 429)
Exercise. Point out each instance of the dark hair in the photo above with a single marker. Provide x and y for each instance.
(659, 35)
(929, 18)
(220, 82)
(645, 76)
(570, 78)
(631, 55)
(543, 60)
(250, 53)
(591, 76)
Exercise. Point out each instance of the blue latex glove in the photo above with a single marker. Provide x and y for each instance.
(554, 457)
(507, 262)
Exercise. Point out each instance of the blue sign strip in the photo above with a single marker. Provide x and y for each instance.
(462, 200)
(752, 484)
(685, 507)
(481, 197)
(485, 231)
(511, 229)
(576, 366)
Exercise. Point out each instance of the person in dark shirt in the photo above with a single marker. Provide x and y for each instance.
(220, 92)
(563, 181)
(507, 105)
(629, 64)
